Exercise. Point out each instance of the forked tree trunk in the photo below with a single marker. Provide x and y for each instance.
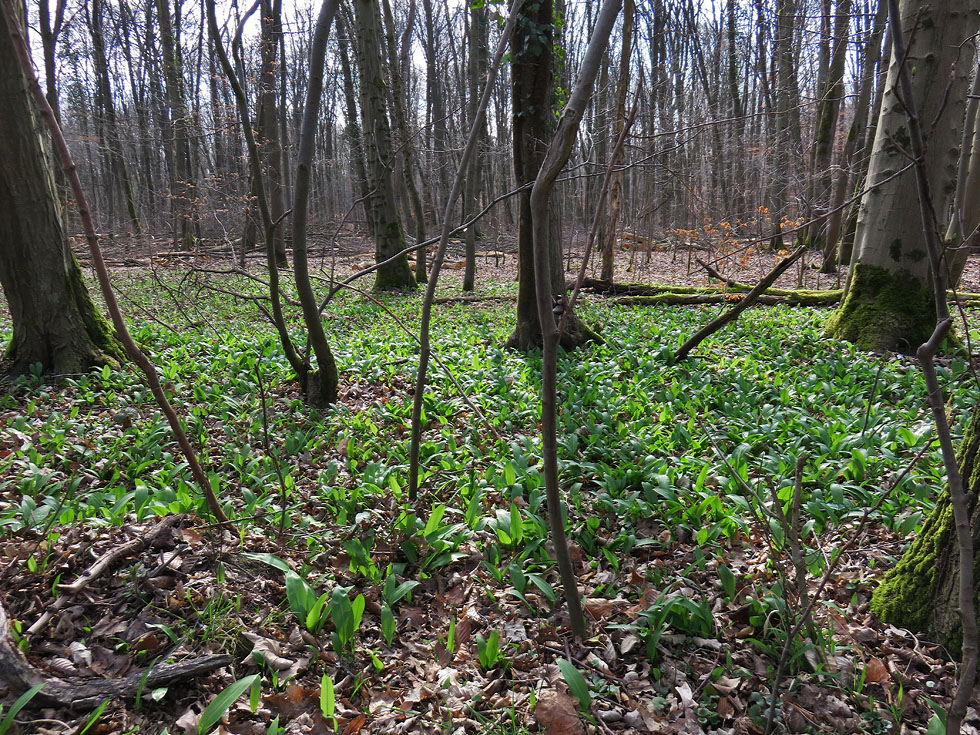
(55, 323)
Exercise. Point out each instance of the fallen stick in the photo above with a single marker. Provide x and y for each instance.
(732, 314)
(100, 566)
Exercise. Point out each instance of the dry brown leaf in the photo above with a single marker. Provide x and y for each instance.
(557, 714)
(599, 607)
(875, 672)
(463, 630)
(354, 726)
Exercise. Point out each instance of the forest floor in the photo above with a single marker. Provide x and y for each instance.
(347, 608)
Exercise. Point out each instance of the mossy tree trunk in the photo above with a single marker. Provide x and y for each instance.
(389, 238)
(921, 592)
(889, 277)
(532, 84)
(55, 322)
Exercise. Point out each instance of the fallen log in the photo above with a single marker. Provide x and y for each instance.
(471, 299)
(90, 691)
(639, 294)
(802, 298)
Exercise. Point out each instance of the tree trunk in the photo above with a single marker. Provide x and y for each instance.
(476, 70)
(532, 82)
(619, 122)
(787, 101)
(268, 133)
(921, 592)
(872, 55)
(889, 303)
(55, 322)
(389, 238)
(961, 234)
(406, 144)
(181, 178)
(120, 182)
(828, 112)
(352, 132)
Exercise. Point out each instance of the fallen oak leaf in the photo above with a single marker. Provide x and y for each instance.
(557, 714)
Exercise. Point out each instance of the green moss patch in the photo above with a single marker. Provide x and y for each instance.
(885, 310)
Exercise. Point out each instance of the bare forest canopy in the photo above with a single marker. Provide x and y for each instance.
(710, 80)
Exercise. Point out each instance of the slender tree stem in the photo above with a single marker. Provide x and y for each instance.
(425, 347)
(554, 160)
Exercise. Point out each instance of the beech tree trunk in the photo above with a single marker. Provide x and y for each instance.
(855, 134)
(121, 184)
(479, 31)
(269, 135)
(889, 303)
(619, 122)
(55, 322)
(181, 176)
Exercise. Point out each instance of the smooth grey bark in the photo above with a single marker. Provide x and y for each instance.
(268, 131)
(181, 176)
(321, 384)
(962, 234)
(120, 184)
(828, 113)
(406, 145)
(855, 134)
(619, 122)
(476, 68)
(889, 302)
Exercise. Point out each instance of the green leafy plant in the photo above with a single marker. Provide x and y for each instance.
(391, 594)
(346, 617)
(22, 701)
(328, 702)
(576, 683)
(489, 652)
(222, 703)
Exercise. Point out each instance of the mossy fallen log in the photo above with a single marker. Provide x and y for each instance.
(640, 294)
(791, 298)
